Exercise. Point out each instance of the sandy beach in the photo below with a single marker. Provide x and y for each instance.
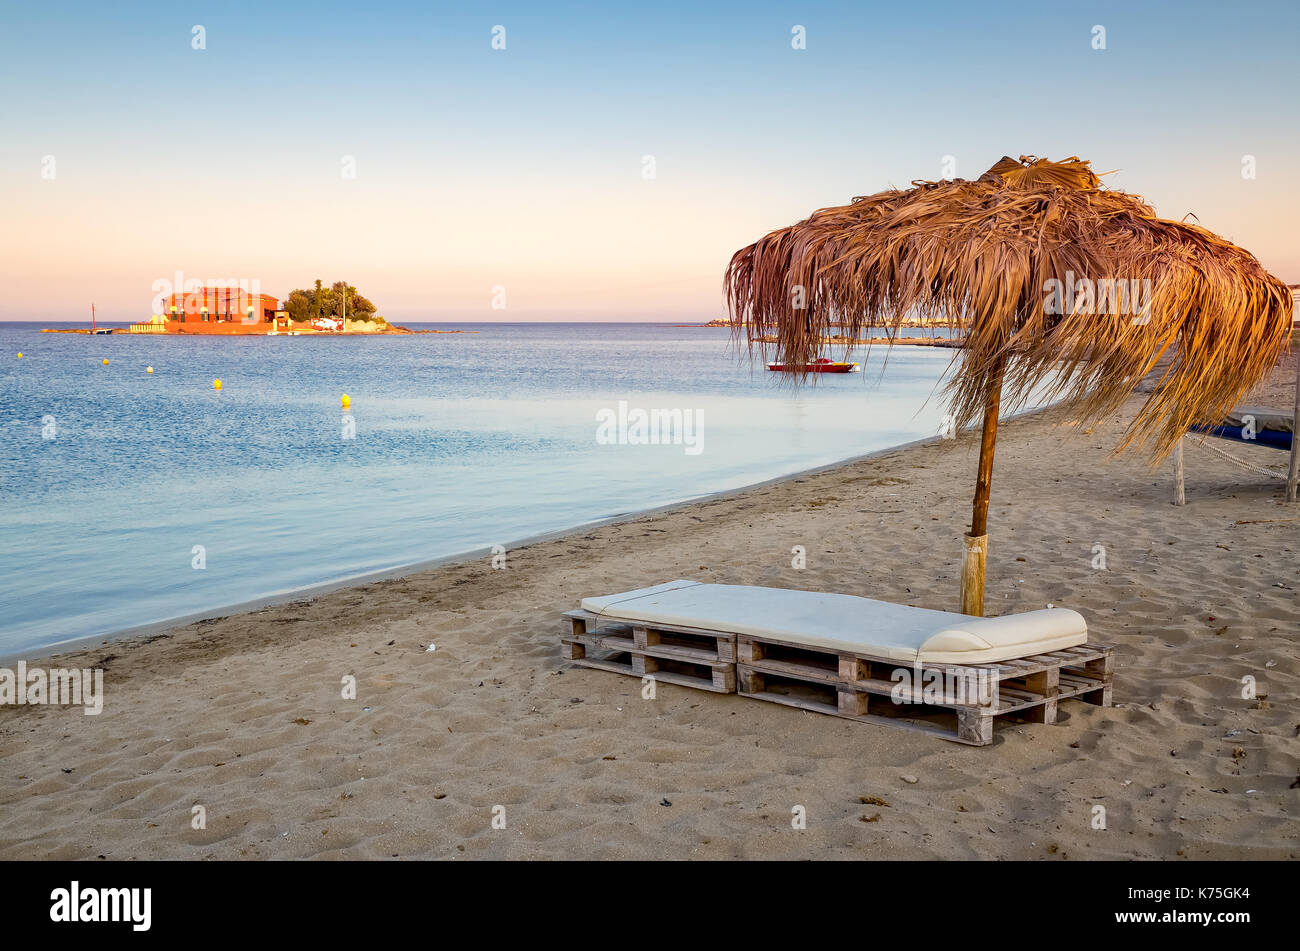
(243, 714)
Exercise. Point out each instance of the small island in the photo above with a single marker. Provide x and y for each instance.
(235, 310)
(223, 310)
(716, 322)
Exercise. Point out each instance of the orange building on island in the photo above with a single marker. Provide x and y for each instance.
(219, 304)
(217, 310)
(220, 309)
(231, 310)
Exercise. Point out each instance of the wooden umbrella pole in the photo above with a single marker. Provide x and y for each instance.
(1293, 474)
(977, 540)
(1180, 491)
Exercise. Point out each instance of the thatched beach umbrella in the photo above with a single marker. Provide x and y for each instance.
(1055, 282)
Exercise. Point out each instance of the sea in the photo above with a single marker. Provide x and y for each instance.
(130, 498)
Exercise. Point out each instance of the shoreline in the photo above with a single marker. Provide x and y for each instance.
(148, 629)
(244, 713)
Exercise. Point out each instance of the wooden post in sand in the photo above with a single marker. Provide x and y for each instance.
(1180, 497)
(977, 540)
(1293, 474)
(972, 575)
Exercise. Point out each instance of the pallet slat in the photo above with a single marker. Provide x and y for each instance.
(616, 642)
(660, 640)
(716, 678)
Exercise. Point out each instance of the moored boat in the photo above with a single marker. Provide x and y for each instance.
(817, 366)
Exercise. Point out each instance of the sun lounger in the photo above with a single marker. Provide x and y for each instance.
(1258, 425)
(710, 635)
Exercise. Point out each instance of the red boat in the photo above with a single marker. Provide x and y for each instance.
(817, 366)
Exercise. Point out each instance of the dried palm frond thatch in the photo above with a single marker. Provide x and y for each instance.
(1061, 288)
(983, 253)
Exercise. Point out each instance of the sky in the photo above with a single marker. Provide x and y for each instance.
(606, 163)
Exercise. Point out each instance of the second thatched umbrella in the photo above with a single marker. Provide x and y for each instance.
(1062, 289)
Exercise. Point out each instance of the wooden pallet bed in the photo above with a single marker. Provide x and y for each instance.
(827, 653)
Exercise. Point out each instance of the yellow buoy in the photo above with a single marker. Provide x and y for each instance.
(216, 384)
(20, 354)
(347, 401)
(106, 361)
(148, 369)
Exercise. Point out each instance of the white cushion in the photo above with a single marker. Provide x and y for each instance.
(843, 622)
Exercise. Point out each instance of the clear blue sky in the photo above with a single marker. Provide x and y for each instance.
(522, 167)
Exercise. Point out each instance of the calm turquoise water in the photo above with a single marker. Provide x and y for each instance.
(461, 442)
